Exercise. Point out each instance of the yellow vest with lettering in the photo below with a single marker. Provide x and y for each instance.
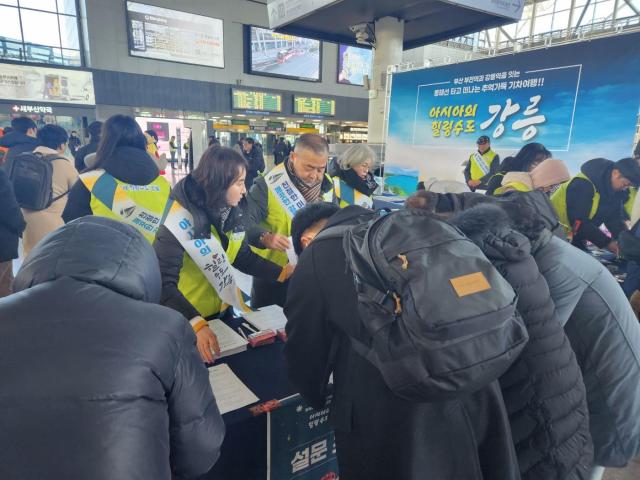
(107, 191)
(346, 195)
(511, 186)
(476, 172)
(279, 221)
(559, 202)
(195, 287)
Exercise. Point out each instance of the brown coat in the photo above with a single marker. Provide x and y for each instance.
(40, 223)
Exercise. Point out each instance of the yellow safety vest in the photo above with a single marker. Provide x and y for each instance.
(195, 287)
(107, 193)
(559, 202)
(346, 195)
(476, 172)
(517, 186)
(628, 205)
(279, 221)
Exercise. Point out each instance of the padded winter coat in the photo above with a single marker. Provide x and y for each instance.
(97, 382)
(605, 336)
(543, 390)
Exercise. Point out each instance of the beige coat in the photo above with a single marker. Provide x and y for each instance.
(43, 222)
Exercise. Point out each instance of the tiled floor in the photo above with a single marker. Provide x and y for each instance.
(632, 472)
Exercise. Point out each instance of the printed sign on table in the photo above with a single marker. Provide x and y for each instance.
(301, 443)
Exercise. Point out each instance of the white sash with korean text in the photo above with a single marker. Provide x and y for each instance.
(208, 255)
(481, 163)
(285, 191)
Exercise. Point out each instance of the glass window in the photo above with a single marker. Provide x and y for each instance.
(47, 5)
(625, 11)
(40, 27)
(10, 24)
(67, 6)
(72, 57)
(561, 20)
(48, 28)
(588, 16)
(604, 10)
(562, 5)
(546, 6)
(542, 24)
(42, 54)
(69, 32)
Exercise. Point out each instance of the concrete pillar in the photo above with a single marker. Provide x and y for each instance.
(389, 40)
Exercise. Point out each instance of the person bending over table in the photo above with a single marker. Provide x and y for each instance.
(201, 239)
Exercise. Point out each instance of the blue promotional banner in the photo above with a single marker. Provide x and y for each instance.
(301, 444)
(580, 100)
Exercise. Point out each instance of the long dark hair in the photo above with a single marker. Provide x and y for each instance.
(119, 131)
(219, 167)
(529, 155)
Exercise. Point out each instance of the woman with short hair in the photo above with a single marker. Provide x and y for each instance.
(353, 181)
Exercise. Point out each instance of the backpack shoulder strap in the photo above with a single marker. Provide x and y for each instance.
(337, 231)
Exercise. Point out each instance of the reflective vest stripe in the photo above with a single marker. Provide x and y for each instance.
(481, 164)
(511, 186)
(285, 192)
(143, 207)
(347, 195)
(559, 202)
(628, 205)
(279, 221)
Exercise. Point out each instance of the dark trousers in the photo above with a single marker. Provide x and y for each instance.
(266, 292)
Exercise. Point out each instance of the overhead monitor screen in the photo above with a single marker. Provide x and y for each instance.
(314, 106)
(353, 64)
(164, 34)
(252, 100)
(282, 55)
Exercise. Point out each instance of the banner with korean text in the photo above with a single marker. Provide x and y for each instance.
(301, 443)
(580, 100)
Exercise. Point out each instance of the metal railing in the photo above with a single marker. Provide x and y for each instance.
(26, 52)
(468, 43)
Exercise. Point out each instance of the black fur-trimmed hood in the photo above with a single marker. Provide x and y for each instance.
(489, 227)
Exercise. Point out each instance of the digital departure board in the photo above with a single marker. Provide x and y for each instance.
(314, 106)
(253, 100)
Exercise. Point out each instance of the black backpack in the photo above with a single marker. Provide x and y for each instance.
(32, 177)
(440, 320)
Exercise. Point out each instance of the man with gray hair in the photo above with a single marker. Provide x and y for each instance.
(273, 201)
(353, 183)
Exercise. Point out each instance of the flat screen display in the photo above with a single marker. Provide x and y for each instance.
(164, 34)
(353, 64)
(314, 106)
(281, 55)
(260, 101)
(161, 129)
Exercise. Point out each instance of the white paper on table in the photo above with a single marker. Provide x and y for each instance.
(229, 341)
(267, 318)
(291, 253)
(231, 394)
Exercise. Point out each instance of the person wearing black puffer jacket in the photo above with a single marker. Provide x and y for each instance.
(125, 184)
(543, 390)
(110, 386)
(12, 225)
